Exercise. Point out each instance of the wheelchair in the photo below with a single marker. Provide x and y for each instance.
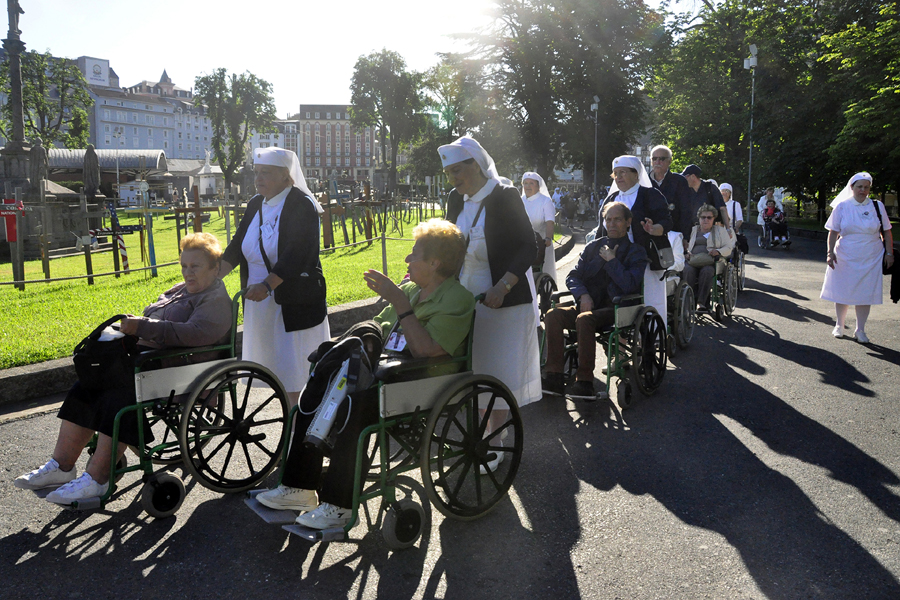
(203, 415)
(682, 308)
(723, 297)
(766, 237)
(433, 425)
(637, 336)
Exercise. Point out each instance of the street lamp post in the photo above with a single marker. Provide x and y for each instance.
(117, 133)
(750, 63)
(595, 107)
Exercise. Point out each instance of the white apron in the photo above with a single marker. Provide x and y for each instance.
(856, 278)
(505, 344)
(265, 340)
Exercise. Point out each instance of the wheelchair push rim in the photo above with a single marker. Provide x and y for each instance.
(649, 356)
(685, 315)
(455, 447)
(235, 440)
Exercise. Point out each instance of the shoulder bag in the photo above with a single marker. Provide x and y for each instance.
(105, 365)
(308, 288)
(884, 268)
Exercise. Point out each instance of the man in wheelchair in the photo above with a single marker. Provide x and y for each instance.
(775, 221)
(430, 316)
(608, 267)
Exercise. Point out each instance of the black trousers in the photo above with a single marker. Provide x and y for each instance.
(304, 463)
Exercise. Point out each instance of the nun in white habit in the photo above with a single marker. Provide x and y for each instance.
(542, 214)
(498, 261)
(280, 227)
(650, 220)
(856, 251)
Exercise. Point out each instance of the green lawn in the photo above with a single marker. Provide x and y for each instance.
(47, 320)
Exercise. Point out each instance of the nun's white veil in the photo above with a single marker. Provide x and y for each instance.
(281, 157)
(465, 148)
(635, 163)
(847, 192)
(534, 176)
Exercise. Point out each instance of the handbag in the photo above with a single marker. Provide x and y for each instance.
(698, 261)
(105, 365)
(660, 253)
(884, 268)
(540, 253)
(306, 291)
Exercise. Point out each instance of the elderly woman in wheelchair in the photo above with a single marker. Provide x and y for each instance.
(196, 312)
(428, 317)
(705, 254)
(609, 267)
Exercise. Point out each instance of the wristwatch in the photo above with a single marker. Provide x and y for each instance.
(506, 283)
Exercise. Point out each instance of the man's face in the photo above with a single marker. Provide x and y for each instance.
(615, 222)
(659, 162)
(693, 181)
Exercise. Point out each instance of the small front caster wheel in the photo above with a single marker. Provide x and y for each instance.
(162, 495)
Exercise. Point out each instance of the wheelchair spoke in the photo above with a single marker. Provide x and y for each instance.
(262, 405)
(247, 456)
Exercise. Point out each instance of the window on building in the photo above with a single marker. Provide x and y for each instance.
(328, 162)
(367, 148)
(179, 146)
(165, 144)
(367, 161)
(106, 128)
(307, 116)
(317, 128)
(166, 133)
(149, 132)
(264, 144)
(347, 116)
(317, 116)
(318, 161)
(135, 142)
(328, 116)
(108, 141)
(134, 118)
(346, 161)
(106, 115)
(189, 147)
(165, 121)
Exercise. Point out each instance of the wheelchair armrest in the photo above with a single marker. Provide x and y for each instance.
(150, 356)
(407, 369)
(556, 296)
(628, 299)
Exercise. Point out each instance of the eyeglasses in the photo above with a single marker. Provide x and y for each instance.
(659, 158)
(706, 218)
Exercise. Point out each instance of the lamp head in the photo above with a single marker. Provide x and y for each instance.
(753, 50)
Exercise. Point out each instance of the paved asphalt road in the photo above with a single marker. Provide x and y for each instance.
(766, 467)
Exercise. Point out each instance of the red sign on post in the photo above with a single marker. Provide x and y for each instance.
(9, 210)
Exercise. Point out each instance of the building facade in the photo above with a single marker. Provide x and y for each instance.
(328, 145)
(153, 115)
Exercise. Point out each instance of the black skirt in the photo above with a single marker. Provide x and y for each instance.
(97, 411)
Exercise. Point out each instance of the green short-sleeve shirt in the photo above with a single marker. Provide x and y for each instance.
(446, 314)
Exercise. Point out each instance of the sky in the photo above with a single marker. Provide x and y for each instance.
(306, 50)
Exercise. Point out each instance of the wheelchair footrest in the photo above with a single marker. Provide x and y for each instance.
(335, 534)
(271, 516)
(86, 504)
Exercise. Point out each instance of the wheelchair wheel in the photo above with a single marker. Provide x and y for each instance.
(742, 271)
(649, 355)
(403, 524)
(623, 394)
(719, 312)
(731, 289)
(685, 315)
(162, 495)
(167, 450)
(234, 440)
(546, 287)
(455, 447)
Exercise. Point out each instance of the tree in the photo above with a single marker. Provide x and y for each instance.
(386, 96)
(55, 100)
(866, 54)
(235, 104)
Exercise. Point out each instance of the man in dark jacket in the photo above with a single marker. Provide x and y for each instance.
(674, 187)
(702, 191)
(608, 267)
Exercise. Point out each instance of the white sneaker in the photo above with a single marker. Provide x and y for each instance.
(861, 337)
(49, 475)
(289, 498)
(327, 515)
(838, 332)
(78, 489)
(493, 464)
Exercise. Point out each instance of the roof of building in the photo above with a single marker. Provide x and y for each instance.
(154, 160)
(57, 190)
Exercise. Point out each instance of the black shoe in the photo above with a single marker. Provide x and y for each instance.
(582, 390)
(554, 384)
(786, 242)
(775, 243)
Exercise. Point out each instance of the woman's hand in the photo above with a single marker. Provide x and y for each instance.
(493, 298)
(381, 284)
(714, 252)
(256, 292)
(129, 325)
(831, 259)
(889, 260)
(651, 228)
